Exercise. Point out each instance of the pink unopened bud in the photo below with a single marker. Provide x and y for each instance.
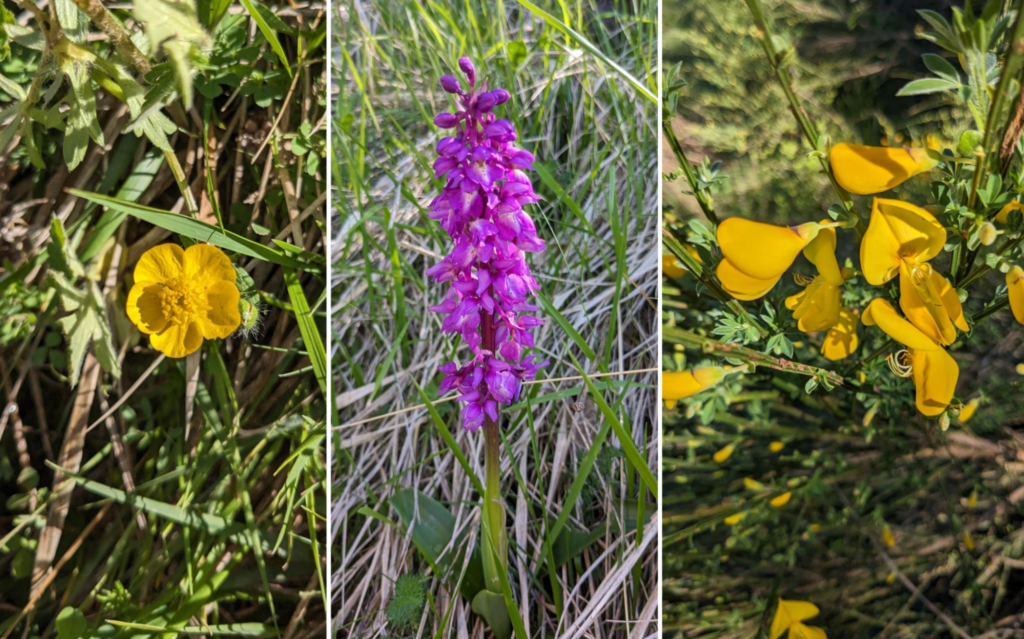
(446, 120)
(467, 68)
(450, 84)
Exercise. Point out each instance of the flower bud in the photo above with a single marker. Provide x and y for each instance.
(446, 120)
(450, 84)
(467, 68)
(501, 95)
(987, 233)
(486, 102)
(944, 421)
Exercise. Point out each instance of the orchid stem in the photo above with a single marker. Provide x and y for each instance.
(495, 546)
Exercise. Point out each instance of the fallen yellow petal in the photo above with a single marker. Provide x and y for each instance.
(732, 520)
(723, 454)
(887, 536)
(790, 613)
(781, 500)
(865, 170)
(752, 484)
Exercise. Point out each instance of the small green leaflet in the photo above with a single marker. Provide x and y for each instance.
(173, 25)
(82, 122)
(87, 324)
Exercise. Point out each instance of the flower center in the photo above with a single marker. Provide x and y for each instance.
(181, 301)
(899, 363)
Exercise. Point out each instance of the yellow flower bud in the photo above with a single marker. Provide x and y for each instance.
(987, 233)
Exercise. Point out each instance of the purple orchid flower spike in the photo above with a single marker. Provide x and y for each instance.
(481, 209)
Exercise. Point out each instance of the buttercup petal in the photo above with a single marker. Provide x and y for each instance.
(923, 304)
(740, 285)
(1015, 289)
(208, 263)
(872, 169)
(881, 312)
(935, 377)
(763, 251)
(178, 340)
(145, 308)
(160, 263)
(841, 340)
(223, 317)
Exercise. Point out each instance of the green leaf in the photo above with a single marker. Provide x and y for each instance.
(587, 45)
(173, 25)
(86, 324)
(267, 32)
(307, 327)
(82, 122)
(926, 86)
(941, 67)
(211, 11)
(433, 534)
(491, 606)
(73, 22)
(191, 228)
(71, 623)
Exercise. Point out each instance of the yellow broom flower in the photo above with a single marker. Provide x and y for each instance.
(1015, 290)
(755, 255)
(841, 340)
(790, 615)
(967, 412)
(934, 371)
(677, 386)
(900, 240)
(182, 297)
(865, 170)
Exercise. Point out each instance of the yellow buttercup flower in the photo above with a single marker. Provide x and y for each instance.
(900, 240)
(790, 615)
(841, 340)
(755, 254)
(182, 297)
(865, 170)
(1015, 290)
(934, 371)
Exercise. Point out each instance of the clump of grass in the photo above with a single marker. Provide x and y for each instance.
(140, 492)
(594, 133)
